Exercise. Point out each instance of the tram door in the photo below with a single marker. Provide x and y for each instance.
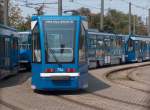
(138, 50)
(14, 52)
(100, 51)
(107, 50)
(146, 50)
(5, 52)
(2, 52)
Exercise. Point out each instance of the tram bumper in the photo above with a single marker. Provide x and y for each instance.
(59, 81)
(51, 75)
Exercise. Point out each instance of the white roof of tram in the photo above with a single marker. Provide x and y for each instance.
(7, 31)
(136, 37)
(141, 38)
(100, 33)
(24, 32)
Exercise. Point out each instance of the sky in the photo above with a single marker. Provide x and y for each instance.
(93, 5)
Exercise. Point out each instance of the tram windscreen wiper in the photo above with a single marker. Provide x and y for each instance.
(54, 56)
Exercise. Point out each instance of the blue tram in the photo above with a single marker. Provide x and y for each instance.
(8, 51)
(105, 49)
(109, 49)
(59, 53)
(24, 45)
(137, 49)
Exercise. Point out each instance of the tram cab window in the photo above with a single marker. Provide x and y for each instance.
(59, 41)
(82, 56)
(24, 40)
(36, 44)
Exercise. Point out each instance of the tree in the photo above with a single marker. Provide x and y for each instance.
(15, 15)
(114, 21)
(1, 12)
(140, 27)
(84, 11)
(26, 24)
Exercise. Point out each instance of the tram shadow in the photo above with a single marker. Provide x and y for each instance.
(95, 84)
(15, 80)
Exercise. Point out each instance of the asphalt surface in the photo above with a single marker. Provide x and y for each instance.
(128, 89)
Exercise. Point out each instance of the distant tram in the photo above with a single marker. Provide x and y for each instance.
(25, 53)
(138, 49)
(8, 51)
(59, 56)
(110, 49)
(105, 49)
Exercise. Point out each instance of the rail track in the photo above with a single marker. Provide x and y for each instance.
(91, 94)
(10, 106)
(108, 76)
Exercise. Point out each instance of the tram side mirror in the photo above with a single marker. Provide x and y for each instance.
(33, 24)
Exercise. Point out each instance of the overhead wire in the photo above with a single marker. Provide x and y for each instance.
(135, 5)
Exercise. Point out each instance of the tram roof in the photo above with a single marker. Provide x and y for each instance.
(24, 32)
(7, 31)
(107, 34)
(101, 33)
(140, 38)
(59, 17)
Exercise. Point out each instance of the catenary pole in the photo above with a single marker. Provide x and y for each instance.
(60, 7)
(102, 16)
(149, 23)
(6, 12)
(129, 18)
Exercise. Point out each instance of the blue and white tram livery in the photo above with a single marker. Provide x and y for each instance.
(8, 51)
(146, 46)
(105, 49)
(25, 53)
(137, 49)
(59, 53)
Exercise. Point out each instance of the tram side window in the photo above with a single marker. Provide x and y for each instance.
(82, 56)
(92, 43)
(36, 45)
(119, 46)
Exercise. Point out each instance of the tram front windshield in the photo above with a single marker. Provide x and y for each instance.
(59, 41)
(24, 41)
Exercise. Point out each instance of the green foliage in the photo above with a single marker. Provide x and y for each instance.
(25, 25)
(114, 21)
(16, 18)
(15, 15)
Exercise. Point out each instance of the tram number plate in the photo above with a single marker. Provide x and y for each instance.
(60, 78)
